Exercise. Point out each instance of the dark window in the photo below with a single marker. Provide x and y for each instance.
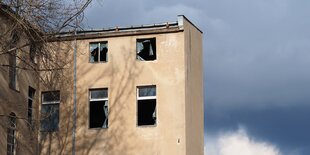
(98, 52)
(98, 108)
(146, 105)
(11, 138)
(31, 93)
(33, 53)
(13, 70)
(50, 111)
(146, 49)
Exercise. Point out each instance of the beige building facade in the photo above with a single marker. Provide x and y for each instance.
(139, 91)
(19, 89)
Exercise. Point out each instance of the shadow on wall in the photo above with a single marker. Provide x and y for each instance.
(113, 140)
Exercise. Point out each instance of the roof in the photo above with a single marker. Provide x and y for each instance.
(168, 27)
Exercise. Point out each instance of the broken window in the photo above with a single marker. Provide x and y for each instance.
(146, 96)
(98, 52)
(146, 49)
(11, 135)
(31, 93)
(13, 70)
(50, 111)
(98, 108)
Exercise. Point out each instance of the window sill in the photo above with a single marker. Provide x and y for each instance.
(103, 62)
(14, 89)
(97, 128)
(146, 126)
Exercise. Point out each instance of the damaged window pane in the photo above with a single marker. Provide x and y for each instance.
(98, 52)
(147, 112)
(146, 105)
(98, 108)
(146, 49)
(50, 111)
(99, 93)
(147, 91)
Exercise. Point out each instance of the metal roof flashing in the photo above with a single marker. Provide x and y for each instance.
(181, 19)
(167, 27)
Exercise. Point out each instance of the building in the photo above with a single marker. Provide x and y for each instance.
(139, 91)
(19, 95)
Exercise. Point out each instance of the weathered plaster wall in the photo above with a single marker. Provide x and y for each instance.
(121, 74)
(194, 90)
(16, 100)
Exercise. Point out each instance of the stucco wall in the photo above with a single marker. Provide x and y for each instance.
(177, 74)
(194, 90)
(16, 101)
(121, 75)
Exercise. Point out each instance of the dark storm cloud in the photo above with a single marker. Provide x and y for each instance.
(256, 53)
(256, 60)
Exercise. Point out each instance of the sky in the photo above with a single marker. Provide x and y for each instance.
(256, 67)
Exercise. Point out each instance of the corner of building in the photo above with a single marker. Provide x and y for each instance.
(194, 113)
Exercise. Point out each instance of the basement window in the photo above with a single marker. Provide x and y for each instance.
(146, 49)
(98, 108)
(98, 52)
(50, 111)
(146, 96)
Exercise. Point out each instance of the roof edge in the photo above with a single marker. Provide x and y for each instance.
(180, 22)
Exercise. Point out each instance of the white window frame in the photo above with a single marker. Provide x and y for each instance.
(98, 99)
(99, 43)
(146, 98)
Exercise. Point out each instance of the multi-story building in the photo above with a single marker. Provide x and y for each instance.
(139, 91)
(19, 89)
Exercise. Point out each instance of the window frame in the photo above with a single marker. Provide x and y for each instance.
(10, 128)
(30, 110)
(50, 103)
(89, 52)
(33, 50)
(13, 79)
(98, 99)
(146, 98)
(144, 39)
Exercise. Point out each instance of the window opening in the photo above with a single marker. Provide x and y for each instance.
(31, 92)
(33, 52)
(11, 135)
(146, 96)
(98, 108)
(98, 52)
(50, 111)
(13, 70)
(146, 49)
